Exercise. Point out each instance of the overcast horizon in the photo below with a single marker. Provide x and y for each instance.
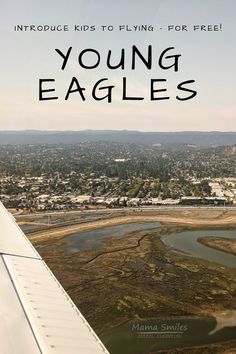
(206, 57)
(120, 130)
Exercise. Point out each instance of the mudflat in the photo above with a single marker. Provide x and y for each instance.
(136, 276)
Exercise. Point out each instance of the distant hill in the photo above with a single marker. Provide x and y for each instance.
(204, 139)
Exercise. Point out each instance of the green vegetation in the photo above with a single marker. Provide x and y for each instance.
(110, 170)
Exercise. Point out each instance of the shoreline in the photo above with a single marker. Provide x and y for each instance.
(119, 220)
(219, 244)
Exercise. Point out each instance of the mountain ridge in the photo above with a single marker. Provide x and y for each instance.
(199, 138)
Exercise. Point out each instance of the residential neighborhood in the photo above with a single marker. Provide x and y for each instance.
(103, 174)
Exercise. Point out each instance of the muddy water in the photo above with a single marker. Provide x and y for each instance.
(187, 242)
(93, 239)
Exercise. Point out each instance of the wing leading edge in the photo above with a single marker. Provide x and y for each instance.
(36, 314)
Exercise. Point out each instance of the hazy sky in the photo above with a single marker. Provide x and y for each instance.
(208, 57)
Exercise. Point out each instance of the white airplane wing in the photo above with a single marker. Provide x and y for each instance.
(36, 314)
